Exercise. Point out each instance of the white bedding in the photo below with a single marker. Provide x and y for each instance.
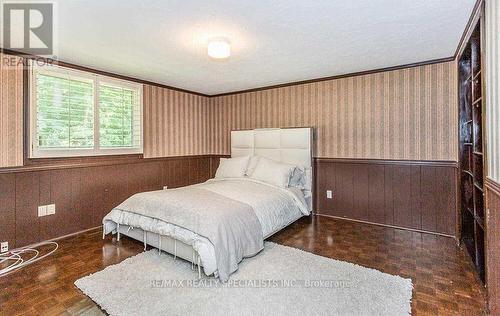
(274, 207)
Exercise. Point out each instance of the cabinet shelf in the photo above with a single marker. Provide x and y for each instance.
(478, 187)
(480, 222)
(469, 245)
(471, 212)
(467, 172)
(471, 142)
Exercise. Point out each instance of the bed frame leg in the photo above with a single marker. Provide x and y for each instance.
(193, 259)
(199, 268)
(118, 232)
(145, 240)
(159, 245)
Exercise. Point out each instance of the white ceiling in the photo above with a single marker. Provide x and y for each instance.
(273, 42)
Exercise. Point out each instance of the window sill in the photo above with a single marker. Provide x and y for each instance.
(44, 164)
(82, 160)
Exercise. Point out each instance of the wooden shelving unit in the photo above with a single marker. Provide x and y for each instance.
(471, 146)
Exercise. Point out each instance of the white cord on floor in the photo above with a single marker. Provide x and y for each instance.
(19, 262)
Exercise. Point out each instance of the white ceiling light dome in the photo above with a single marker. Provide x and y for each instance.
(219, 48)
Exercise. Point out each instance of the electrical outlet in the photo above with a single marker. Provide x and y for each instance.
(51, 209)
(329, 194)
(42, 210)
(4, 246)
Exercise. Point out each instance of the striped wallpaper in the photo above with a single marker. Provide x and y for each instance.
(402, 114)
(175, 123)
(11, 111)
(492, 22)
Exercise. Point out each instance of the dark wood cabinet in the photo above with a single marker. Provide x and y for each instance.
(471, 145)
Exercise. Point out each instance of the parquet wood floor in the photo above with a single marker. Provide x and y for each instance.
(443, 277)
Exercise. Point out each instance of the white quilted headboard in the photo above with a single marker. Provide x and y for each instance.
(289, 145)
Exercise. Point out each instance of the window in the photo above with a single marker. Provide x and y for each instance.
(75, 113)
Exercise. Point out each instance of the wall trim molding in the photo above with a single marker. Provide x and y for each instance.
(474, 14)
(476, 11)
(60, 237)
(492, 185)
(287, 84)
(313, 214)
(385, 225)
(99, 72)
(94, 161)
(341, 76)
(434, 163)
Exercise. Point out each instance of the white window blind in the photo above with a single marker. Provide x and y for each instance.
(119, 116)
(64, 112)
(75, 113)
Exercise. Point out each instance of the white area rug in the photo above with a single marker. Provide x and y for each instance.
(278, 281)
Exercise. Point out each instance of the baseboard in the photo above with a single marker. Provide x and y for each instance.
(61, 237)
(418, 195)
(433, 163)
(387, 226)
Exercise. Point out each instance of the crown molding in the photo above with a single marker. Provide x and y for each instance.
(294, 83)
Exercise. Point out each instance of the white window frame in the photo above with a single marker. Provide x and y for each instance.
(36, 152)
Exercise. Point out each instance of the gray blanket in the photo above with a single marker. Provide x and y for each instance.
(231, 226)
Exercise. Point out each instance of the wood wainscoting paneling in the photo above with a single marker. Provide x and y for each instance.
(83, 195)
(493, 245)
(214, 163)
(418, 195)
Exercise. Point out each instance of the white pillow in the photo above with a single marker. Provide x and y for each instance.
(252, 164)
(232, 167)
(298, 179)
(273, 172)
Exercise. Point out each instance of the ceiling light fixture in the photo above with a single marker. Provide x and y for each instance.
(219, 48)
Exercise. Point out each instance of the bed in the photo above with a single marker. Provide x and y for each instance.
(217, 223)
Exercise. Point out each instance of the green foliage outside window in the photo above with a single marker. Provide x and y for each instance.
(65, 114)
